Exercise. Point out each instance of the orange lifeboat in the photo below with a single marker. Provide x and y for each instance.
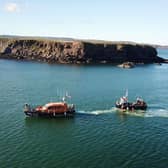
(53, 109)
(59, 107)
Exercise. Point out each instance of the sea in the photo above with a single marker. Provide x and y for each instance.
(98, 136)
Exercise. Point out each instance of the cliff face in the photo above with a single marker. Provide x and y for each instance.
(76, 51)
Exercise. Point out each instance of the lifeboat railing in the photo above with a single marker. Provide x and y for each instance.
(29, 108)
(71, 107)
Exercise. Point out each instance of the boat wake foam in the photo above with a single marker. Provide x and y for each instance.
(149, 113)
(157, 113)
(97, 112)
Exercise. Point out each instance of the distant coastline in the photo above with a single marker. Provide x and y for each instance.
(72, 51)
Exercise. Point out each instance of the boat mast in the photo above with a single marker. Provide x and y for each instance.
(126, 93)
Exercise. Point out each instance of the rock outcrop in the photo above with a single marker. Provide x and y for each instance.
(127, 65)
(77, 52)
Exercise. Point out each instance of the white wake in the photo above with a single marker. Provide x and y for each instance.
(149, 113)
(157, 113)
(97, 112)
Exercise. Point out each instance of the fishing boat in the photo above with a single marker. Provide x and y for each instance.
(124, 105)
(52, 110)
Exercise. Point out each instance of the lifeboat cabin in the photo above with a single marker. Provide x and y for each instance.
(56, 109)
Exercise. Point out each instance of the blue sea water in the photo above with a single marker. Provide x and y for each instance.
(99, 135)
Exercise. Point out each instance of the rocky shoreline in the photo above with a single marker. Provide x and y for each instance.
(77, 52)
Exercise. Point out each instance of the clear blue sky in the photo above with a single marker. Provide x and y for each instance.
(143, 21)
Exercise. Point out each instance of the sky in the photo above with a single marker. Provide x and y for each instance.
(143, 21)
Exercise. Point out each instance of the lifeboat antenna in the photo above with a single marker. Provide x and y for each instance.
(64, 99)
(67, 95)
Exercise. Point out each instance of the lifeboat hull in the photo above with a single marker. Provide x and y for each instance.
(50, 110)
(49, 115)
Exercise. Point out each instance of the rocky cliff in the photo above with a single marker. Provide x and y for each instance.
(76, 51)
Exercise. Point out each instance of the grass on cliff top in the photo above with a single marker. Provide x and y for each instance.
(59, 39)
(63, 39)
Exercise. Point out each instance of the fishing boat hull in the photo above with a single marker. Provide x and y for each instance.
(131, 106)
